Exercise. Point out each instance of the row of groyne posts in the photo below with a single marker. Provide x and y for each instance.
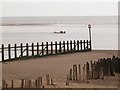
(94, 70)
(15, 51)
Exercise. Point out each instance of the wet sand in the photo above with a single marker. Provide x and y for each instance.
(58, 67)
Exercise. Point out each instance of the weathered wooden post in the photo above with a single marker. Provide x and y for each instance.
(36, 83)
(70, 45)
(67, 46)
(84, 73)
(101, 73)
(27, 54)
(87, 70)
(70, 74)
(55, 47)
(46, 48)
(74, 45)
(15, 50)
(60, 46)
(79, 72)
(22, 83)
(87, 45)
(42, 48)
(12, 84)
(77, 45)
(67, 81)
(81, 45)
(75, 72)
(21, 47)
(9, 52)
(32, 49)
(52, 82)
(37, 48)
(47, 79)
(29, 83)
(91, 69)
(2, 52)
(84, 45)
(63, 46)
(51, 48)
(3, 83)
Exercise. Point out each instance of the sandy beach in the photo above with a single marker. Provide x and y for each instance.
(58, 67)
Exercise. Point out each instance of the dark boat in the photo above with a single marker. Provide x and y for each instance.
(60, 32)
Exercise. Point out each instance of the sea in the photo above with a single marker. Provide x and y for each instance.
(16, 30)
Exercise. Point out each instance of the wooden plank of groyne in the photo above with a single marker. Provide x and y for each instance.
(37, 48)
(63, 46)
(32, 49)
(9, 52)
(60, 46)
(15, 50)
(21, 49)
(70, 74)
(27, 52)
(79, 72)
(81, 45)
(42, 48)
(55, 47)
(74, 45)
(77, 45)
(46, 48)
(70, 45)
(67, 45)
(2, 52)
(51, 48)
(84, 45)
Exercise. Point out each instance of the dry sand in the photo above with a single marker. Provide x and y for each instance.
(58, 67)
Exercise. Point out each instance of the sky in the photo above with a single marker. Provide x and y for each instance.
(11, 9)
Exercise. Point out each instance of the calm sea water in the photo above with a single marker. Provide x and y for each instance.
(33, 30)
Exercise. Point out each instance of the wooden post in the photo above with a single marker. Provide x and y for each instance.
(84, 73)
(9, 52)
(42, 48)
(87, 44)
(67, 45)
(70, 45)
(67, 81)
(47, 79)
(3, 83)
(52, 82)
(36, 83)
(75, 72)
(74, 45)
(2, 52)
(51, 48)
(101, 73)
(77, 45)
(46, 48)
(81, 44)
(55, 47)
(12, 84)
(84, 45)
(32, 49)
(90, 45)
(79, 72)
(91, 69)
(29, 83)
(63, 46)
(87, 70)
(60, 46)
(70, 74)
(27, 54)
(37, 48)
(22, 83)
(41, 83)
(15, 50)
(21, 47)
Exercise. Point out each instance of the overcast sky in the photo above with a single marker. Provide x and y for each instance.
(59, 9)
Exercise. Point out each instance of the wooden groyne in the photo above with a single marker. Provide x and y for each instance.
(10, 52)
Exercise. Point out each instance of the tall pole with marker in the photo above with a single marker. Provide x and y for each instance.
(89, 27)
